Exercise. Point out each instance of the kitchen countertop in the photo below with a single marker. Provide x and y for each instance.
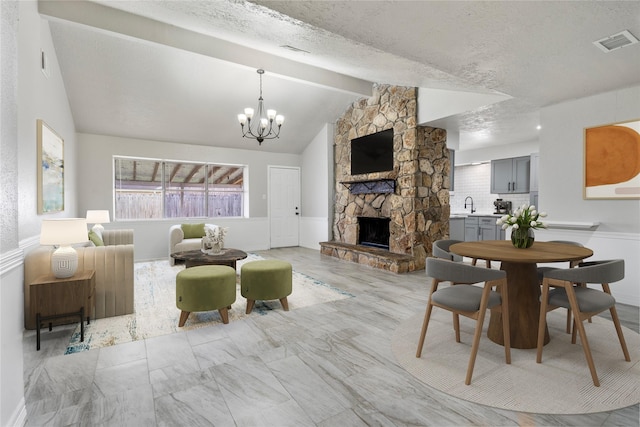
(466, 214)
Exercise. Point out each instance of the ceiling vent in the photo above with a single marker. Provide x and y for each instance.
(616, 41)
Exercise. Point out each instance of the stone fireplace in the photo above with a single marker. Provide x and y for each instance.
(413, 198)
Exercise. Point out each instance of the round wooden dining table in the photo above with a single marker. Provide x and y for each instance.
(522, 279)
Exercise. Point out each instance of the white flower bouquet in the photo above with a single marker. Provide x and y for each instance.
(526, 216)
(523, 221)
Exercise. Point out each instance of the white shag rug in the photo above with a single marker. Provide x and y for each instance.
(561, 384)
(155, 311)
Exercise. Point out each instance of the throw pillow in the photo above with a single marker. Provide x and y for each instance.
(192, 231)
(97, 240)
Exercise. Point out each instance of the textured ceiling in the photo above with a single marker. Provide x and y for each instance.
(182, 70)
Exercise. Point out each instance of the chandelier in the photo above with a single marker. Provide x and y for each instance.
(265, 128)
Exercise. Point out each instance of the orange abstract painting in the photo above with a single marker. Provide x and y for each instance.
(612, 161)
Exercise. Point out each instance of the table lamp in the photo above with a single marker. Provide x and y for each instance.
(63, 232)
(98, 217)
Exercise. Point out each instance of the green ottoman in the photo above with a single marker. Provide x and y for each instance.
(266, 280)
(205, 288)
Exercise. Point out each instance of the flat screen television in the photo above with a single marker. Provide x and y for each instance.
(372, 153)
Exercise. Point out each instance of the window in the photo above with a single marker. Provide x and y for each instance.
(153, 188)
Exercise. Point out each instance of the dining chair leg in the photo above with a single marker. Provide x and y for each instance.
(568, 320)
(587, 353)
(616, 322)
(506, 330)
(456, 326)
(623, 343)
(542, 323)
(425, 325)
(579, 324)
(475, 346)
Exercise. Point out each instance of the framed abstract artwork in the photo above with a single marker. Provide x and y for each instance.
(50, 170)
(612, 161)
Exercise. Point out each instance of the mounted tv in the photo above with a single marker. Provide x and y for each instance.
(372, 153)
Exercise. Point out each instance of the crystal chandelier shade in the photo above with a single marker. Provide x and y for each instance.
(267, 123)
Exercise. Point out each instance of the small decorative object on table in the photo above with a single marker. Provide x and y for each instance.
(522, 222)
(213, 240)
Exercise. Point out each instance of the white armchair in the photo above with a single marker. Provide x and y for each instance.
(178, 242)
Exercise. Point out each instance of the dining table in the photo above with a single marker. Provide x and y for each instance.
(523, 282)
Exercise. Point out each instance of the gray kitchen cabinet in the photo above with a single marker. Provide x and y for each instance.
(489, 230)
(510, 175)
(482, 228)
(471, 229)
(533, 176)
(456, 228)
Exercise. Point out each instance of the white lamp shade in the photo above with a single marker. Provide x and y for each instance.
(98, 217)
(63, 231)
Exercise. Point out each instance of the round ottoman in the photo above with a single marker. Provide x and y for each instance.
(266, 280)
(205, 288)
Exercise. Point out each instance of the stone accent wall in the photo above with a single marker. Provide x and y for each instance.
(419, 207)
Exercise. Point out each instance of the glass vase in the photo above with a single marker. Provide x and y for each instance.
(522, 238)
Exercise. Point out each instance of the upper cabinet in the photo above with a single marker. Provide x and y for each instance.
(510, 175)
(535, 159)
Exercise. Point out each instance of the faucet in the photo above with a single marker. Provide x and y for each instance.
(465, 203)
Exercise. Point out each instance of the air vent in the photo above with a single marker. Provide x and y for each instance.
(293, 48)
(616, 41)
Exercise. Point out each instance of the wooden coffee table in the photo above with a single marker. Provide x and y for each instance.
(228, 256)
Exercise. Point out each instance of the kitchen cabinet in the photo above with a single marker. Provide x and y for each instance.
(471, 229)
(489, 230)
(482, 228)
(510, 175)
(533, 175)
(456, 228)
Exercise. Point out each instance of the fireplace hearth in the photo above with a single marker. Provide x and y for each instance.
(373, 232)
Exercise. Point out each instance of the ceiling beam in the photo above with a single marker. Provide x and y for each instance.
(128, 24)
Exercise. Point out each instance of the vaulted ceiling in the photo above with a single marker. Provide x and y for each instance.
(182, 70)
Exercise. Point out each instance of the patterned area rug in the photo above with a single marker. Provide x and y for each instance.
(561, 384)
(156, 313)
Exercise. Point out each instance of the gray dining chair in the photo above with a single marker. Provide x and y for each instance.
(572, 264)
(584, 302)
(440, 249)
(467, 300)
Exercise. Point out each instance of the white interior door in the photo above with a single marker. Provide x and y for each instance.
(284, 206)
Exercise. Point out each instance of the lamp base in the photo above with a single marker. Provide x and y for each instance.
(64, 262)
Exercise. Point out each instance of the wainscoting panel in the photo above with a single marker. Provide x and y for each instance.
(607, 246)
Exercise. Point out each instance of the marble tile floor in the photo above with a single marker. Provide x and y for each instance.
(325, 365)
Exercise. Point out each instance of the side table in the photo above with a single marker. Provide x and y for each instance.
(53, 298)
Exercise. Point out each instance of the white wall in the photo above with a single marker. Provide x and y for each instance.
(27, 95)
(12, 408)
(95, 188)
(45, 98)
(561, 183)
(317, 189)
(562, 137)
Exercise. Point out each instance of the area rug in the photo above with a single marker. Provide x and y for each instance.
(155, 311)
(561, 384)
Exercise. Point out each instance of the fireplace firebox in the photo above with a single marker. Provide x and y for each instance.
(373, 232)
